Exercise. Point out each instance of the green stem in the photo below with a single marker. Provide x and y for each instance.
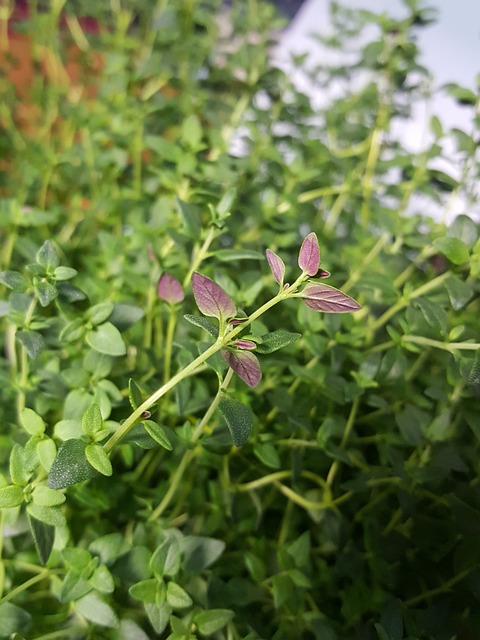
(24, 368)
(190, 453)
(199, 256)
(25, 585)
(172, 323)
(445, 346)
(220, 343)
(346, 434)
(405, 301)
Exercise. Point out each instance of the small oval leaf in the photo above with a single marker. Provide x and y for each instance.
(309, 255)
(239, 419)
(211, 299)
(170, 289)
(277, 266)
(245, 365)
(99, 459)
(323, 297)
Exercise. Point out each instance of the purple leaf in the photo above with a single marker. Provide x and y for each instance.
(211, 299)
(276, 265)
(245, 365)
(248, 345)
(309, 255)
(322, 297)
(321, 273)
(169, 289)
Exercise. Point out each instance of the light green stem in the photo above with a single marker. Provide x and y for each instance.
(172, 323)
(446, 346)
(190, 453)
(221, 342)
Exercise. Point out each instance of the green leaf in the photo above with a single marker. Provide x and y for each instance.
(453, 249)
(107, 339)
(14, 280)
(135, 395)
(108, 547)
(267, 454)
(46, 293)
(199, 552)
(72, 331)
(92, 421)
(32, 341)
(94, 609)
(52, 516)
(32, 422)
(99, 313)
(125, 316)
(191, 218)
(145, 590)
(18, 468)
(159, 616)
(47, 256)
(99, 459)
(43, 537)
(158, 433)
(46, 497)
(102, 580)
(204, 323)
(46, 452)
(435, 316)
(239, 419)
(276, 340)
(11, 496)
(64, 273)
(166, 559)
(70, 465)
(465, 229)
(211, 621)
(74, 587)
(177, 597)
(12, 619)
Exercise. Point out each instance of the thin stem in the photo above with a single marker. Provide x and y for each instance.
(346, 434)
(405, 301)
(25, 585)
(219, 343)
(190, 453)
(445, 346)
(172, 323)
(24, 368)
(446, 586)
(200, 255)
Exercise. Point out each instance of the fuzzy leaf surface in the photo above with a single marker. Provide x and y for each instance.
(276, 340)
(203, 323)
(323, 297)
(211, 299)
(239, 419)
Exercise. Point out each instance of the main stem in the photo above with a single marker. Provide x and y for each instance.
(221, 342)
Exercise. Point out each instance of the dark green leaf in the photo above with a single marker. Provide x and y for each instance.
(14, 280)
(191, 218)
(70, 465)
(204, 323)
(43, 536)
(239, 419)
(12, 619)
(276, 340)
(211, 621)
(32, 341)
(232, 255)
(125, 316)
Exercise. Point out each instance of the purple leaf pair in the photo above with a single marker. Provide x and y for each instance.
(308, 260)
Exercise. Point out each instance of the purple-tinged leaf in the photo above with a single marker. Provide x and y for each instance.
(238, 320)
(169, 289)
(309, 255)
(322, 297)
(321, 273)
(245, 365)
(248, 345)
(276, 265)
(211, 299)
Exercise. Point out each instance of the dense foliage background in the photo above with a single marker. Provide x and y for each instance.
(353, 510)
